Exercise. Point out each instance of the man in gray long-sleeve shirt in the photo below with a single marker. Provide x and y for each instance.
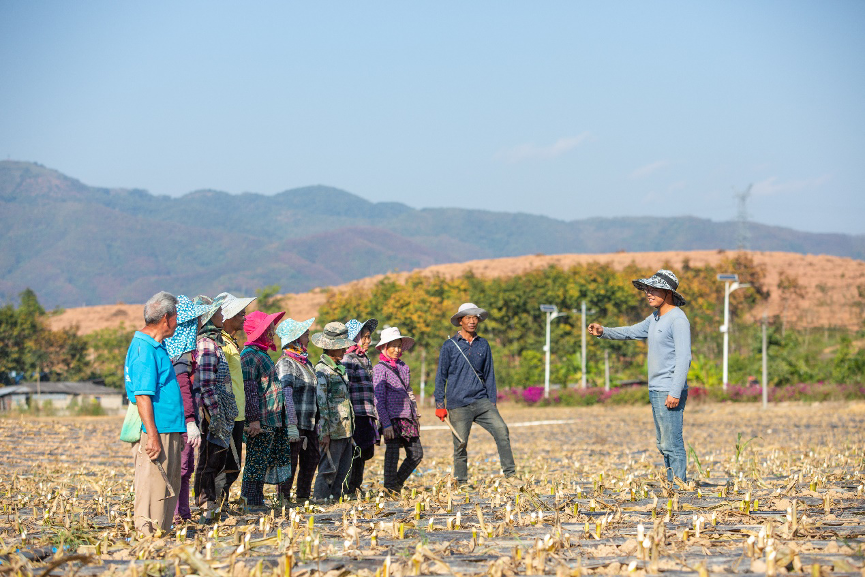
(668, 336)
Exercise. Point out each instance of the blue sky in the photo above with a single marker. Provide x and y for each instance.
(571, 109)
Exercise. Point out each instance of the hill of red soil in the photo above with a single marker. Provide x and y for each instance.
(832, 287)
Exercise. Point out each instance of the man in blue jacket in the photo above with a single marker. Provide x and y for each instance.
(669, 354)
(466, 390)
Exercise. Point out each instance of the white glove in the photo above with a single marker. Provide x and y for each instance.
(193, 435)
(293, 434)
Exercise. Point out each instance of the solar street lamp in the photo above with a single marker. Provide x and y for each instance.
(732, 283)
(552, 313)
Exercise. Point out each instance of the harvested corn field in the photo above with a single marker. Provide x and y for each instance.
(770, 492)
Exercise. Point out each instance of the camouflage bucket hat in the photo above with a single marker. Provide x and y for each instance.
(663, 279)
(335, 335)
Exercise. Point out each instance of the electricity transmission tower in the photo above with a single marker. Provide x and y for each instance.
(743, 234)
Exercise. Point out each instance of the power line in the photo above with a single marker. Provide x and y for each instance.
(743, 233)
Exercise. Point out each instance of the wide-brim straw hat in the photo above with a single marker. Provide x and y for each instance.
(257, 322)
(188, 310)
(663, 279)
(392, 334)
(291, 330)
(334, 336)
(467, 309)
(214, 305)
(356, 327)
(233, 305)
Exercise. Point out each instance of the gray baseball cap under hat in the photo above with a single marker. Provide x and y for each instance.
(214, 305)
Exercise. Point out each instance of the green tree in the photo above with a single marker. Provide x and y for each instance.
(267, 300)
(108, 348)
(28, 345)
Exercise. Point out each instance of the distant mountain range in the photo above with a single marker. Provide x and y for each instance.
(78, 245)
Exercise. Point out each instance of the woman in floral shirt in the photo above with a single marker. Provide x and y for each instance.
(337, 421)
(398, 412)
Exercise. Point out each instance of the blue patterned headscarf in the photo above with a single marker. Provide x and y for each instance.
(183, 339)
(354, 326)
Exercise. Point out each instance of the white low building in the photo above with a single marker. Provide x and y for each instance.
(62, 394)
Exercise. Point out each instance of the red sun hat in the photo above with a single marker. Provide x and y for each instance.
(257, 322)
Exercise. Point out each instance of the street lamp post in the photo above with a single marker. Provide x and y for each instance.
(552, 312)
(583, 313)
(606, 370)
(583, 344)
(764, 391)
(732, 283)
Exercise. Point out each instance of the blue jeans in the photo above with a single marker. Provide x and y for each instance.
(669, 433)
(487, 415)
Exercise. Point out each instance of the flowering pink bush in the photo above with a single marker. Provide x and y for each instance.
(633, 395)
(532, 395)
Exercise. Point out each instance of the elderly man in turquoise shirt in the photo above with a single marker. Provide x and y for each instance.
(669, 354)
(152, 386)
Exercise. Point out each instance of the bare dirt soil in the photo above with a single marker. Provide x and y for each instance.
(771, 491)
(832, 287)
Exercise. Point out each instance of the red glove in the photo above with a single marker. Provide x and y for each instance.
(442, 413)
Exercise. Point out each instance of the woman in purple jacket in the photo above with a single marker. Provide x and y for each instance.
(398, 412)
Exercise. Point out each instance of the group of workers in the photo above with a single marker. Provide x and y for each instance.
(199, 393)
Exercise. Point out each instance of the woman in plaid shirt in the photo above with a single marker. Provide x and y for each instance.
(359, 371)
(298, 379)
(213, 388)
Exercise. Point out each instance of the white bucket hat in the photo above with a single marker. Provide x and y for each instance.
(392, 334)
(467, 309)
(232, 305)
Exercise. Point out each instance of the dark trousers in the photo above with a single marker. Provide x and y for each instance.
(304, 462)
(395, 477)
(213, 460)
(356, 476)
(232, 469)
(334, 471)
(487, 415)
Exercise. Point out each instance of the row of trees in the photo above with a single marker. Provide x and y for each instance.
(422, 306)
(31, 350)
